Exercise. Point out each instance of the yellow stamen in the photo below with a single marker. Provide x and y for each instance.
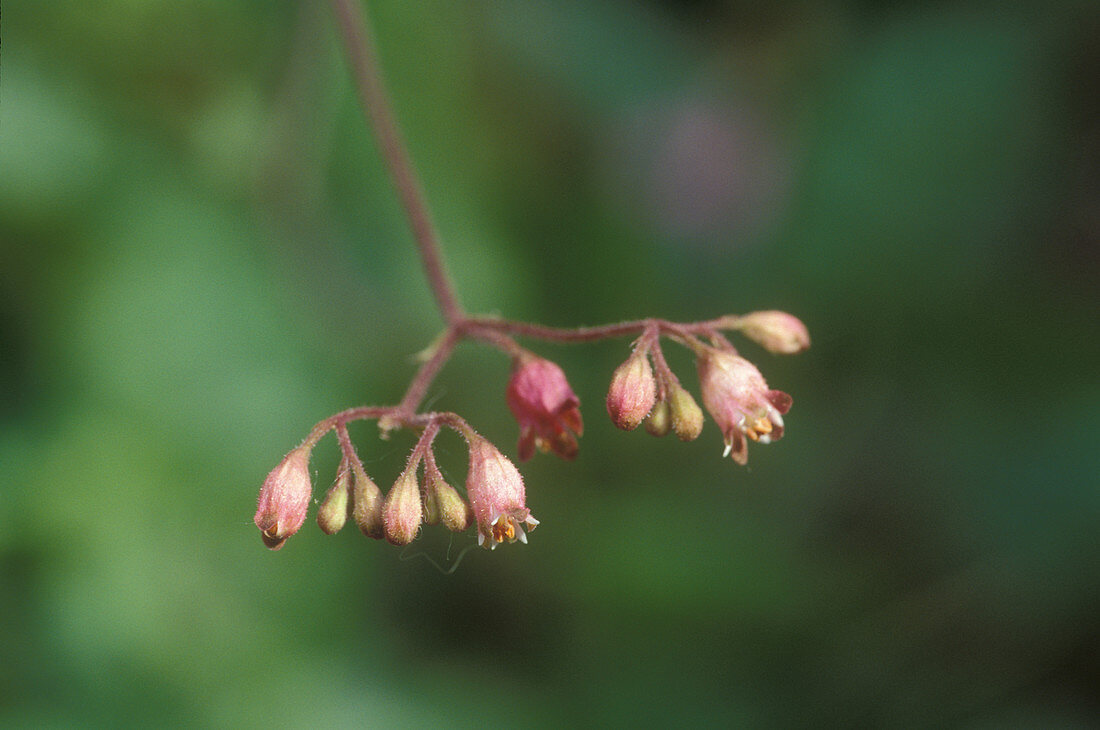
(504, 529)
(763, 425)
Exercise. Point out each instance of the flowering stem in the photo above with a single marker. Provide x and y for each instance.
(363, 59)
(476, 324)
(346, 446)
(372, 94)
(497, 339)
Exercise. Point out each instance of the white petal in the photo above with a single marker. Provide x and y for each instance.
(776, 416)
(729, 448)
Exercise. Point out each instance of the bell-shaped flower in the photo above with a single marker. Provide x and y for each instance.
(740, 402)
(545, 406)
(284, 498)
(497, 496)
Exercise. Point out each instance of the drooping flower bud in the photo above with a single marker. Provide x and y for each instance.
(497, 496)
(659, 421)
(778, 332)
(740, 402)
(442, 502)
(336, 506)
(402, 511)
(367, 503)
(454, 513)
(633, 391)
(284, 498)
(686, 416)
(545, 406)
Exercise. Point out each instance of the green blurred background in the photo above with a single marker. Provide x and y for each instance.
(201, 256)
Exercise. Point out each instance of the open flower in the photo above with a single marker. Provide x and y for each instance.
(740, 402)
(497, 497)
(284, 498)
(545, 406)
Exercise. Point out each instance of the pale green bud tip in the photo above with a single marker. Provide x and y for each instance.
(336, 506)
(687, 416)
(442, 502)
(659, 421)
(453, 510)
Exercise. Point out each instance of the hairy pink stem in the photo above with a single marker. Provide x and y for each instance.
(424, 377)
(372, 94)
(346, 446)
(665, 377)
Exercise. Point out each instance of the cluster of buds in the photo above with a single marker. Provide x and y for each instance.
(643, 390)
(734, 391)
(637, 395)
(494, 490)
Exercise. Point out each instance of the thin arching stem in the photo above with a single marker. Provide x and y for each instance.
(363, 59)
(475, 325)
(424, 377)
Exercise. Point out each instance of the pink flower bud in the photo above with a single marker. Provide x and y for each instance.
(334, 510)
(740, 402)
(633, 391)
(545, 406)
(366, 504)
(497, 496)
(402, 511)
(778, 332)
(284, 498)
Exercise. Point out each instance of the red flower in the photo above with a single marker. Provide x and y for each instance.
(545, 406)
(740, 402)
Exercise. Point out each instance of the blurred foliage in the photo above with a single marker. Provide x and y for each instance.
(201, 256)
